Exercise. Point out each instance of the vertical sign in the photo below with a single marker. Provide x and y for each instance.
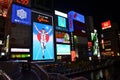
(43, 41)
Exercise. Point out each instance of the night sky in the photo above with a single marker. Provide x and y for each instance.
(100, 10)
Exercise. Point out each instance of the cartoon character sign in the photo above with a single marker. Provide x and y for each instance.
(42, 41)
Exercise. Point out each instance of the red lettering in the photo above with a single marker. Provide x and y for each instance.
(24, 2)
(41, 19)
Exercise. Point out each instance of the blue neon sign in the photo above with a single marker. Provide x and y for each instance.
(21, 15)
(74, 16)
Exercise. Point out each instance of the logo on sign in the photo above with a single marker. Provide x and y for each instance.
(42, 19)
(22, 14)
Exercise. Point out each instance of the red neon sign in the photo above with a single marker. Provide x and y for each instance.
(24, 2)
(106, 24)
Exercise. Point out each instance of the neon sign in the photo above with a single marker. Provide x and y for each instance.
(23, 2)
(106, 25)
(42, 19)
(74, 16)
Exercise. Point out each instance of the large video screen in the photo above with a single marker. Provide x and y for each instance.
(43, 46)
(62, 37)
(63, 49)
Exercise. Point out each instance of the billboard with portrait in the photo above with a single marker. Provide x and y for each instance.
(43, 47)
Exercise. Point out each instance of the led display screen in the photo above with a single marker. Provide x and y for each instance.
(63, 49)
(43, 46)
(21, 15)
(61, 21)
(62, 37)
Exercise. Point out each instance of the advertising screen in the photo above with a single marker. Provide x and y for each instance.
(21, 15)
(43, 46)
(63, 49)
(61, 21)
(62, 37)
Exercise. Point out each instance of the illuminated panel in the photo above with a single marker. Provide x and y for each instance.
(21, 15)
(43, 37)
(60, 14)
(61, 21)
(43, 46)
(94, 38)
(89, 44)
(0, 42)
(73, 56)
(106, 24)
(63, 49)
(74, 16)
(20, 56)
(19, 50)
(62, 37)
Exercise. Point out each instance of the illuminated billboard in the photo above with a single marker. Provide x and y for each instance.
(20, 54)
(74, 16)
(62, 37)
(94, 38)
(43, 46)
(61, 21)
(63, 49)
(106, 24)
(21, 15)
